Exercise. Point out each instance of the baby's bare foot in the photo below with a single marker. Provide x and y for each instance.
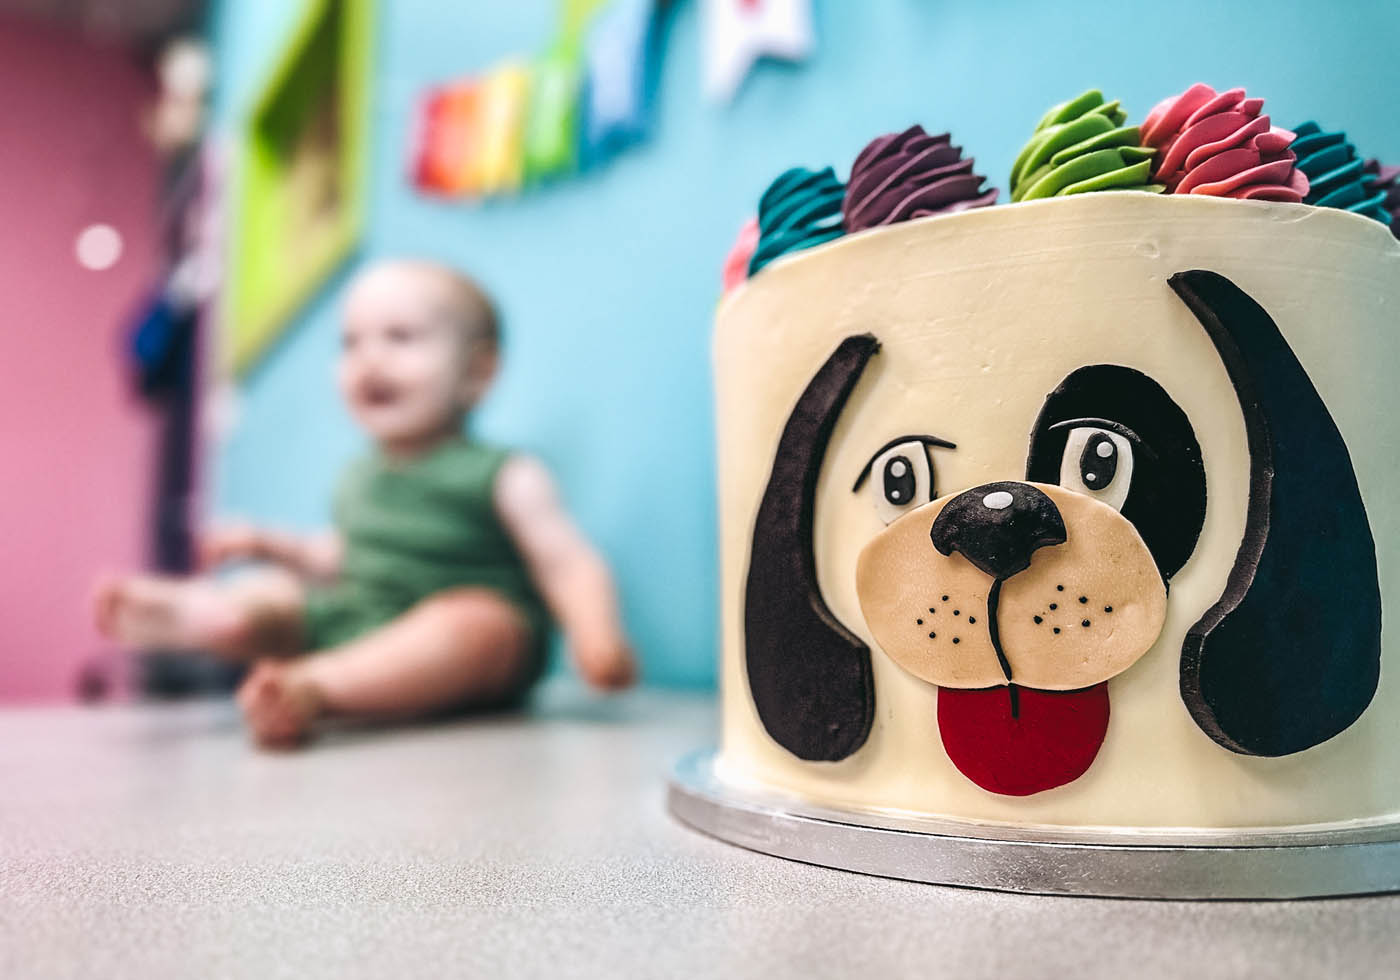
(279, 704)
(167, 613)
(106, 598)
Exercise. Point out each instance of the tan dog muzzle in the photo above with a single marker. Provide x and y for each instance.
(1021, 583)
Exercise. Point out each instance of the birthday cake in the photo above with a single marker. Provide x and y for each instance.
(1070, 510)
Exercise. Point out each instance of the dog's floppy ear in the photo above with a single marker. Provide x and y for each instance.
(1290, 654)
(810, 677)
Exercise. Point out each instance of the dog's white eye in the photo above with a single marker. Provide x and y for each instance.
(1099, 463)
(900, 479)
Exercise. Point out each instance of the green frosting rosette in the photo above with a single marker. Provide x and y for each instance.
(1082, 146)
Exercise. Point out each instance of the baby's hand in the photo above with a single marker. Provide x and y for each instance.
(229, 543)
(571, 575)
(315, 557)
(605, 664)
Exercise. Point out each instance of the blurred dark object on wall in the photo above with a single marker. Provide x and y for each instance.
(164, 343)
(143, 23)
(164, 339)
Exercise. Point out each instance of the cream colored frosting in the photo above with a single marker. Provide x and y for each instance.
(980, 315)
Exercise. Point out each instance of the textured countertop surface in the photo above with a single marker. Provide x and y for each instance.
(154, 842)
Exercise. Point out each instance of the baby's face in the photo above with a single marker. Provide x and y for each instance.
(404, 363)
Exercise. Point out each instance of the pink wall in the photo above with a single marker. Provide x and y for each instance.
(75, 448)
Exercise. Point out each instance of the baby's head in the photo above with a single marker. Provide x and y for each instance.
(419, 349)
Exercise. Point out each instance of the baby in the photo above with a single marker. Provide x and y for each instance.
(449, 557)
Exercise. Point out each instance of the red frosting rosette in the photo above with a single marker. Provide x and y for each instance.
(1219, 143)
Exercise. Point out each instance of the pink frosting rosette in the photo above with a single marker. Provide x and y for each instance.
(736, 263)
(1220, 144)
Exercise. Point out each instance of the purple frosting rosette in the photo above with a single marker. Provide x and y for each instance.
(907, 175)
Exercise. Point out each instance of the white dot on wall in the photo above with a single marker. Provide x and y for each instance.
(98, 247)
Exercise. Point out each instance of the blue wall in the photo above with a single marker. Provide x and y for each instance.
(608, 280)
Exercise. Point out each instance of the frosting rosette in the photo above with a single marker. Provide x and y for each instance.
(907, 175)
(1079, 146)
(1387, 181)
(1336, 173)
(736, 263)
(1221, 144)
(801, 209)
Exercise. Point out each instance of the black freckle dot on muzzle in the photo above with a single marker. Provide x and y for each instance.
(1083, 622)
(1038, 620)
(1057, 629)
(972, 619)
(1083, 598)
(933, 636)
(957, 639)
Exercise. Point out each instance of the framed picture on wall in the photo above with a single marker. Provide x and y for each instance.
(302, 160)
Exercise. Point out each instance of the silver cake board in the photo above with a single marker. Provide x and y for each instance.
(1274, 864)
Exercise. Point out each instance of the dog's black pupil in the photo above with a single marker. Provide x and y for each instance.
(899, 480)
(1097, 465)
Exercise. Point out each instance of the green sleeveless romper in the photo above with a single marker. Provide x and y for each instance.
(412, 529)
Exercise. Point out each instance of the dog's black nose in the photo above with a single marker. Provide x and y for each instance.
(998, 526)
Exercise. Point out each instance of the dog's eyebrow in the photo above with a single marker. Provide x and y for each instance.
(926, 440)
(1111, 426)
(1108, 424)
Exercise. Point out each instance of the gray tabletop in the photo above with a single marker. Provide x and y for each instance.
(154, 842)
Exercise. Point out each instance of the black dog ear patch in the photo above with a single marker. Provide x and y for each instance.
(810, 677)
(1290, 654)
(1166, 500)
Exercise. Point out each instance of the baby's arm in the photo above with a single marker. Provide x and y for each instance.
(569, 573)
(315, 557)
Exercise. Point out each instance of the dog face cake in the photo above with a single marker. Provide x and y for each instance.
(1072, 511)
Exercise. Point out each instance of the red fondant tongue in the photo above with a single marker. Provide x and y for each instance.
(1052, 739)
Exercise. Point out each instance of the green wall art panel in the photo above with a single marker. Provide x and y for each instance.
(301, 174)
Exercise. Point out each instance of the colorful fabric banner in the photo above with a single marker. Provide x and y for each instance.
(499, 164)
(447, 138)
(739, 32)
(552, 122)
(620, 77)
(590, 95)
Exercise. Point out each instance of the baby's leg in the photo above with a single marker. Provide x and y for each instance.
(258, 613)
(461, 647)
